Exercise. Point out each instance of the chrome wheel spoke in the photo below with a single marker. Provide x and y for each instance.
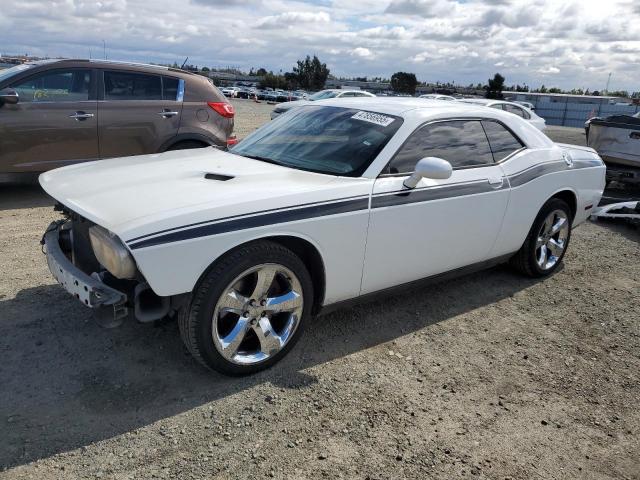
(233, 301)
(539, 242)
(548, 224)
(270, 341)
(232, 341)
(266, 276)
(556, 247)
(287, 302)
(542, 257)
(558, 225)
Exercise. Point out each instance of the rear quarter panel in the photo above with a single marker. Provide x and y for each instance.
(535, 177)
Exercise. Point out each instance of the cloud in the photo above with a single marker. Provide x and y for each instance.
(573, 42)
(423, 8)
(548, 70)
(291, 19)
(362, 52)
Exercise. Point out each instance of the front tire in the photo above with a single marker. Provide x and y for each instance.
(547, 241)
(249, 310)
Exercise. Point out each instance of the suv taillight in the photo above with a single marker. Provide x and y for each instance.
(223, 108)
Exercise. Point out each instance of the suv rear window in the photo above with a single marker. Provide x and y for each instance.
(132, 86)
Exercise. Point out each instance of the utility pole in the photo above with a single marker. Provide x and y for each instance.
(606, 89)
(104, 49)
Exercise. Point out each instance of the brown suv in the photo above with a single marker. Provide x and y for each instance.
(57, 112)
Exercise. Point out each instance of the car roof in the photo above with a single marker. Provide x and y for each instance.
(393, 105)
(111, 63)
(420, 110)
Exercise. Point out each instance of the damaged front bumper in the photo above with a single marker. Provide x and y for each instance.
(108, 304)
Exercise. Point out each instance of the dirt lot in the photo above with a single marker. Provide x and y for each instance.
(488, 376)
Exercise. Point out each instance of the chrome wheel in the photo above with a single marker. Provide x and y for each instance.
(552, 239)
(257, 314)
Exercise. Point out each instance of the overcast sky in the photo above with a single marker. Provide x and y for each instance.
(555, 42)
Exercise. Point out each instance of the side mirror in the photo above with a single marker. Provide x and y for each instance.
(9, 96)
(429, 167)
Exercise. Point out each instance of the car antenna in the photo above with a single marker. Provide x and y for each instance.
(184, 63)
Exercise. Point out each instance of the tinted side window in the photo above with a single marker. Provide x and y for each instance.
(463, 143)
(169, 88)
(131, 86)
(503, 143)
(515, 110)
(55, 86)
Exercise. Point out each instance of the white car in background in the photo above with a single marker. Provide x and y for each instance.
(321, 95)
(529, 105)
(332, 202)
(231, 92)
(511, 107)
(437, 96)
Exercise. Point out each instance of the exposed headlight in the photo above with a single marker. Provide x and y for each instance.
(111, 253)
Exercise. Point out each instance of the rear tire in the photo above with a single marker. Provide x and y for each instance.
(547, 241)
(235, 324)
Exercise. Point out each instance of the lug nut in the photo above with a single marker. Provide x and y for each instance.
(263, 303)
(245, 314)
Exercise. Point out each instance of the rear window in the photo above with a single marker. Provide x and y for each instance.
(132, 86)
(332, 140)
(503, 143)
(169, 88)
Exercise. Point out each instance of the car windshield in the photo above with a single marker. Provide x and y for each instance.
(331, 140)
(323, 94)
(10, 72)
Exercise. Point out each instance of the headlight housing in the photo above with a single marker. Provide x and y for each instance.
(111, 253)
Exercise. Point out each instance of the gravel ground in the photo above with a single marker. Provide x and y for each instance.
(488, 376)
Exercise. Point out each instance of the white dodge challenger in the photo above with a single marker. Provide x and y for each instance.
(328, 203)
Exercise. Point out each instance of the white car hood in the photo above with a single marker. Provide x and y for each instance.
(137, 195)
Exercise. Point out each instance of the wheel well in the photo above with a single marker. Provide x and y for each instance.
(312, 259)
(186, 144)
(570, 198)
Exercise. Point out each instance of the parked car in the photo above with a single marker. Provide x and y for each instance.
(616, 138)
(529, 105)
(321, 95)
(231, 92)
(53, 113)
(510, 107)
(330, 203)
(437, 96)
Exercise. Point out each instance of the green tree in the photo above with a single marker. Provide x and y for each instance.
(495, 87)
(206, 69)
(404, 82)
(261, 72)
(310, 73)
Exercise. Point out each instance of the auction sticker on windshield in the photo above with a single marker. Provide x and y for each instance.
(376, 118)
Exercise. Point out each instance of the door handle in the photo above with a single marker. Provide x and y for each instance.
(80, 116)
(167, 113)
(496, 182)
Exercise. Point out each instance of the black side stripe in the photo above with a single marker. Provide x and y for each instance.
(427, 194)
(349, 204)
(257, 221)
(536, 171)
(279, 209)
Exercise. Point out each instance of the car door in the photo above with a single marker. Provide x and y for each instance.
(138, 112)
(53, 124)
(440, 225)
